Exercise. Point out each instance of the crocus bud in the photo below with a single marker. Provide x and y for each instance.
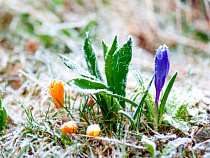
(69, 127)
(162, 65)
(90, 103)
(93, 130)
(57, 92)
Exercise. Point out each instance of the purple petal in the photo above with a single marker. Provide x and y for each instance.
(162, 65)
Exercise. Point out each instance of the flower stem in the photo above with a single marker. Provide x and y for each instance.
(156, 109)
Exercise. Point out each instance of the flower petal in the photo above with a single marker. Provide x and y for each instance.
(162, 65)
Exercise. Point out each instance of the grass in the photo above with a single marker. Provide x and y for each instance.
(29, 61)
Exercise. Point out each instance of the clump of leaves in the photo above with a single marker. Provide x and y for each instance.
(111, 96)
(3, 115)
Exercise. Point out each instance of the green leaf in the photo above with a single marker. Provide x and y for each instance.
(178, 123)
(87, 85)
(122, 59)
(44, 38)
(108, 113)
(104, 101)
(88, 110)
(105, 49)
(128, 117)
(147, 115)
(88, 27)
(151, 146)
(66, 109)
(119, 97)
(137, 76)
(55, 114)
(75, 67)
(173, 145)
(109, 65)
(139, 109)
(0, 100)
(84, 117)
(23, 151)
(90, 57)
(3, 115)
(165, 96)
(148, 100)
(182, 110)
(1, 120)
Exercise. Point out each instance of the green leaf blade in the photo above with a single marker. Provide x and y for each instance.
(91, 60)
(139, 109)
(109, 65)
(128, 117)
(151, 146)
(75, 67)
(166, 94)
(105, 49)
(120, 98)
(122, 59)
(87, 85)
(137, 76)
(0, 100)
(3, 115)
(178, 123)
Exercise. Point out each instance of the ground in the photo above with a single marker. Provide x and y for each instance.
(34, 33)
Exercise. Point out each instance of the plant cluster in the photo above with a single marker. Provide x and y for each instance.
(110, 95)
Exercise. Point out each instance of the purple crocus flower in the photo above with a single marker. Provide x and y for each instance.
(162, 65)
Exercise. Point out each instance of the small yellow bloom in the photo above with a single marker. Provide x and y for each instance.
(57, 92)
(69, 127)
(93, 130)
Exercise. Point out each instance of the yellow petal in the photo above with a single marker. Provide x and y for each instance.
(93, 130)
